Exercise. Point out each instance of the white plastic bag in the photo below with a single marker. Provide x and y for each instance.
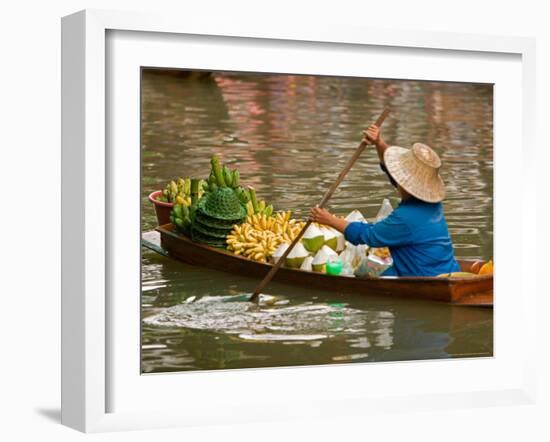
(352, 255)
(347, 270)
(347, 256)
(372, 266)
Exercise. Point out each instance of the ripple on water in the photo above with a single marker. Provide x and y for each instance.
(250, 322)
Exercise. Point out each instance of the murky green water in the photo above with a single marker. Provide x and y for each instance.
(290, 136)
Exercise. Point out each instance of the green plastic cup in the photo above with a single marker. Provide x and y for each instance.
(335, 266)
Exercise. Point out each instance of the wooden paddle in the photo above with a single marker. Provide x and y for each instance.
(328, 195)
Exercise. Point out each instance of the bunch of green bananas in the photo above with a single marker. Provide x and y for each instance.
(180, 216)
(179, 191)
(222, 176)
(253, 206)
(183, 213)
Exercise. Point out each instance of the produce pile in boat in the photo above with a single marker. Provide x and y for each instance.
(208, 210)
(322, 249)
(220, 212)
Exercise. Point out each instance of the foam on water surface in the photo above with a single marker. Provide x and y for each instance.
(273, 320)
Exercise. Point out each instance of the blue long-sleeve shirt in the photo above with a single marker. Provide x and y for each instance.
(416, 234)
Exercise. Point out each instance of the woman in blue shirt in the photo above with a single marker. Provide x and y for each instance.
(416, 231)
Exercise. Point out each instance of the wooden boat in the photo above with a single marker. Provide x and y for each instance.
(468, 291)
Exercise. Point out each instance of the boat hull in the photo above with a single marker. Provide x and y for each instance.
(476, 291)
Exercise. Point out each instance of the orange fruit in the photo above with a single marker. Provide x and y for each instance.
(487, 268)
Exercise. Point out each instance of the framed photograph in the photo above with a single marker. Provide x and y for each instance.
(194, 158)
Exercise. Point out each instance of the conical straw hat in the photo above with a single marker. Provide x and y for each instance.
(417, 171)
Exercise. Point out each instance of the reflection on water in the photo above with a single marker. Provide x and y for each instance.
(290, 136)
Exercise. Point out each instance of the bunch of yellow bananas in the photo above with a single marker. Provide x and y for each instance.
(260, 235)
(179, 191)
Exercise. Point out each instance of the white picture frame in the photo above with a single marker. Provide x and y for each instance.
(87, 354)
